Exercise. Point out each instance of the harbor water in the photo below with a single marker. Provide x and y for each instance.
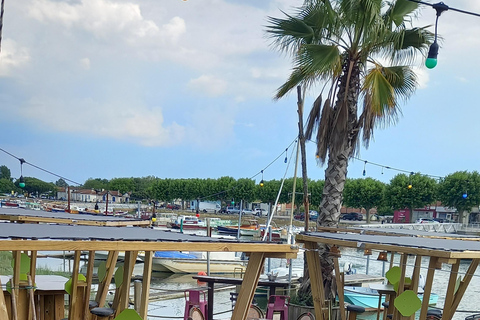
(175, 284)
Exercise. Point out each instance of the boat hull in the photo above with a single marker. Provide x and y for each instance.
(195, 266)
(368, 298)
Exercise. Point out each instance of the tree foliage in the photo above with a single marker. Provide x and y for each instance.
(5, 173)
(411, 191)
(460, 190)
(363, 193)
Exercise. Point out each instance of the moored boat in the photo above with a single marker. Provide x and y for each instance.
(368, 297)
(180, 262)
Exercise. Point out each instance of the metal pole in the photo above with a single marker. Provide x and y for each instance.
(239, 219)
(290, 227)
(209, 234)
(269, 264)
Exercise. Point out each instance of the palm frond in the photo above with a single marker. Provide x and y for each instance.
(400, 10)
(313, 117)
(320, 59)
(323, 131)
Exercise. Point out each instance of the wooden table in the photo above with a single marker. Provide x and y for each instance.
(272, 285)
(384, 289)
(49, 297)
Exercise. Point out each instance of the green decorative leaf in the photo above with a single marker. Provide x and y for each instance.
(408, 303)
(68, 284)
(128, 314)
(9, 286)
(102, 271)
(24, 263)
(118, 276)
(393, 275)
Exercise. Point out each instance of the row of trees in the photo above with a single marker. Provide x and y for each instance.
(460, 190)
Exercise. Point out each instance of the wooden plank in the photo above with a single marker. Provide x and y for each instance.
(247, 290)
(129, 264)
(72, 313)
(3, 305)
(401, 283)
(15, 283)
(89, 278)
(415, 278)
(102, 293)
(147, 275)
(316, 279)
(452, 281)
(54, 245)
(428, 287)
(462, 288)
(340, 284)
(33, 264)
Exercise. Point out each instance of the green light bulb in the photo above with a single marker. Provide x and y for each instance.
(431, 63)
(21, 185)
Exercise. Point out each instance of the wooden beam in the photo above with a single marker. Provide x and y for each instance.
(428, 287)
(401, 283)
(33, 265)
(147, 275)
(275, 249)
(415, 278)
(247, 290)
(128, 265)
(462, 288)
(452, 282)
(3, 305)
(340, 284)
(72, 311)
(86, 305)
(316, 279)
(103, 287)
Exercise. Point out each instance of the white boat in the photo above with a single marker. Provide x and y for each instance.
(164, 218)
(181, 262)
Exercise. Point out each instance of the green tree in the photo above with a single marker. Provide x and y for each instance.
(61, 183)
(340, 43)
(410, 191)
(5, 173)
(460, 190)
(122, 184)
(96, 183)
(7, 186)
(363, 193)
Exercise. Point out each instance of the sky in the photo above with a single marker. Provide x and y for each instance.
(184, 89)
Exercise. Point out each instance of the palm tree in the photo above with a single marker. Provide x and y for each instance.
(2, 5)
(357, 51)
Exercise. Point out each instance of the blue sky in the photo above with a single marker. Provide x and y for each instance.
(183, 89)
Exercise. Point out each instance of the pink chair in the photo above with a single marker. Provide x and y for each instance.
(195, 300)
(278, 304)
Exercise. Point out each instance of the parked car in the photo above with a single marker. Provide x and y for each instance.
(173, 206)
(246, 211)
(313, 215)
(299, 216)
(353, 216)
(232, 210)
(426, 220)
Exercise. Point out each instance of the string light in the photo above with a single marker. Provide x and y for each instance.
(21, 182)
(364, 166)
(261, 181)
(394, 169)
(286, 155)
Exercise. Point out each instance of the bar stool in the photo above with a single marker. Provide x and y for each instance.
(278, 304)
(353, 310)
(103, 313)
(194, 301)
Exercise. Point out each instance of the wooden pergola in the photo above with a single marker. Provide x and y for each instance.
(440, 249)
(31, 238)
(37, 216)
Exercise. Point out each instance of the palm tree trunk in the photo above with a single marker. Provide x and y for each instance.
(1, 23)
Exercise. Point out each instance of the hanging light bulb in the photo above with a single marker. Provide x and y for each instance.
(410, 181)
(261, 181)
(364, 166)
(286, 155)
(465, 195)
(21, 181)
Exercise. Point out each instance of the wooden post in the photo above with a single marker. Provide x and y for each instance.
(247, 290)
(3, 305)
(401, 283)
(341, 296)
(428, 287)
(147, 275)
(316, 279)
(137, 294)
(72, 311)
(86, 305)
(103, 287)
(129, 263)
(31, 309)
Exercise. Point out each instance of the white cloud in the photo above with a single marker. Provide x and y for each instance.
(130, 123)
(423, 77)
(12, 57)
(208, 84)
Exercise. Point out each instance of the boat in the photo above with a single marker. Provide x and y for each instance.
(250, 228)
(182, 262)
(164, 218)
(193, 222)
(368, 297)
